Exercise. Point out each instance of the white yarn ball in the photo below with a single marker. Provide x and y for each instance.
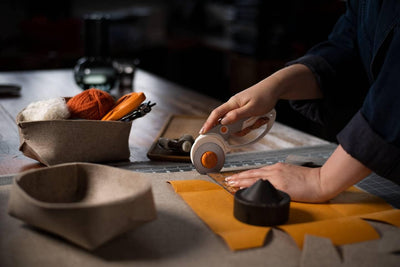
(50, 109)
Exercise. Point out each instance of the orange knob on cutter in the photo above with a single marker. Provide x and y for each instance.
(209, 159)
(208, 151)
(224, 130)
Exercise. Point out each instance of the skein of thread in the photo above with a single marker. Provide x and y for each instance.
(91, 104)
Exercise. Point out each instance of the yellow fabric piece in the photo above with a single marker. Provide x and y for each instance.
(214, 206)
(340, 219)
(354, 201)
(345, 230)
(388, 216)
(349, 203)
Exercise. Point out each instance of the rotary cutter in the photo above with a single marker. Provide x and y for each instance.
(208, 151)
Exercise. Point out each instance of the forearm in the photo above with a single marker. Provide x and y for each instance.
(295, 82)
(339, 172)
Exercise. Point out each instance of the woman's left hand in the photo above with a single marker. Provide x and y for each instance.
(301, 183)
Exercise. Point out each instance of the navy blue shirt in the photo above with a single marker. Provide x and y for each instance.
(358, 71)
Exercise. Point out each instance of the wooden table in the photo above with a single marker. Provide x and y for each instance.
(170, 98)
(177, 237)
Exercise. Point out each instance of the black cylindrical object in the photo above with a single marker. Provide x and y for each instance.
(262, 204)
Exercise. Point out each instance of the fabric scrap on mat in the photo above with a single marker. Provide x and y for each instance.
(214, 206)
(340, 220)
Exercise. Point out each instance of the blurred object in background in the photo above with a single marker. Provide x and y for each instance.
(96, 68)
(114, 39)
(215, 47)
(126, 74)
(190, 42)
(38, 35)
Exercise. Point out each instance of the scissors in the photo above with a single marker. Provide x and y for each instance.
(142, 110)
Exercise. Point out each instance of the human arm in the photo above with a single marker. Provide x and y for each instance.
(293, 82)
(308, 184)
(344, 72)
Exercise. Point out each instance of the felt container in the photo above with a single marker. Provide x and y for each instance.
(87, 204)
(60, 141)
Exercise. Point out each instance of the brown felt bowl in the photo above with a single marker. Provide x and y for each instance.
(54, 142)
(87, 204)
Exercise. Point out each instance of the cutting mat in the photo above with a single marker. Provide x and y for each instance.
(373, 184)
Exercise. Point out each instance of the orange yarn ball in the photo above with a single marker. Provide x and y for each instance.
(91, 104)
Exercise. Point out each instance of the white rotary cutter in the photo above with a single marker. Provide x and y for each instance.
(208, 151)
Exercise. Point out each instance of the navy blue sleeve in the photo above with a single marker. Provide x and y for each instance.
(373, 136)
(363, 143)
(339, 72)
(361, 88)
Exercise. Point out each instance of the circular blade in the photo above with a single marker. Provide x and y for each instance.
(208, 157)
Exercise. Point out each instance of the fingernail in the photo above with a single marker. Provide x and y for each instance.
(232, 183)
(228, 178)
(201, 130)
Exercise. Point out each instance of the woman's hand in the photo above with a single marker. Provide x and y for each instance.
(301, 183)
(293, 82)
(256, 100)
(305, 184)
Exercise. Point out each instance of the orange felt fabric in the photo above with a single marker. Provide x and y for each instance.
(214, 206)
(389, 216)
(341, 231)
(340, 219)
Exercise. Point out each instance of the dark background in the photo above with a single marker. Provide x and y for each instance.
(214, 47)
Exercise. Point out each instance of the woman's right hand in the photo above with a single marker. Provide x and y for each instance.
(293, 82)
(256, 100)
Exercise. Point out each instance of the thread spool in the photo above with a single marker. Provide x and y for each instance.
(91, 104)
(183, 144)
